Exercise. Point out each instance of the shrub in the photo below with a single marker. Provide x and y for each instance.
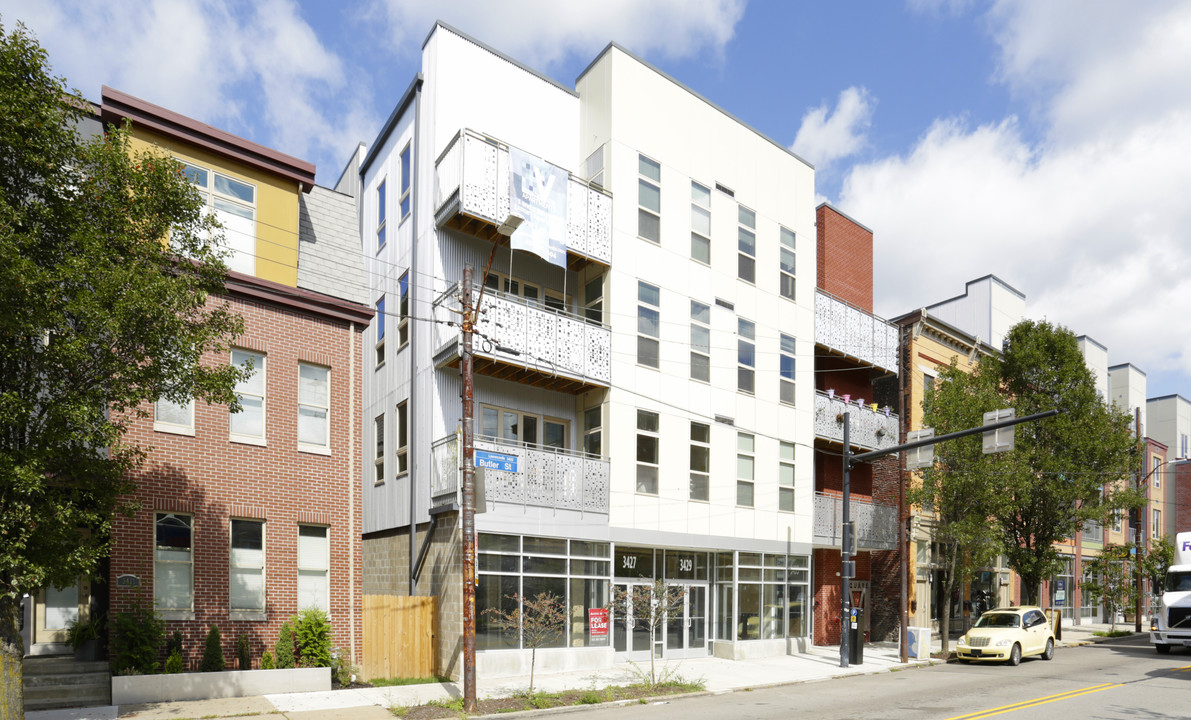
(342, 671)
(285, 647)
(173, 644)
(137, 635)
(213, 653)
(243, 653)
(173, 663)
(312, 632)
(267, 661)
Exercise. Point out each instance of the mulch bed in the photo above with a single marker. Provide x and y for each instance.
(491, 706)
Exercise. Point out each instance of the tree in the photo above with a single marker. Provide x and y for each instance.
(959, 500)
(1155, 562)
(98, 316)
(540, 620)
(1110, 579)
(213, 651)
(649, 605)
(1064, 470)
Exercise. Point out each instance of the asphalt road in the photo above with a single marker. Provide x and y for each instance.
(1123, 680)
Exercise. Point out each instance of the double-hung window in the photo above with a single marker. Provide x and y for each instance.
(380, 331)
(746, 355)
(234, 203)
(787, 369)
(314, 565)
(1157, 463)
(648, 324)
(1156, 530)
(314, 406)
(381, 212)
(593, 422)
(745, 469)
(787, 263)
(378, 460)
(248, 425)
(647, 452)
(649, 199)
(700, 461)
(785, 478)
(747, 241)
(402, 437)
(700, 223)
(247, 580)
(173, 562)
(700, 341)
(406, 176)
(403, 311)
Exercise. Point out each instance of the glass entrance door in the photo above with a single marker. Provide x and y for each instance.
(630, 634)
(686, 631)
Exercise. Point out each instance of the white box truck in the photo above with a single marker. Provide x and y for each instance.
(1171, 625)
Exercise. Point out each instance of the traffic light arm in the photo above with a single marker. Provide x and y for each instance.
(874, 454)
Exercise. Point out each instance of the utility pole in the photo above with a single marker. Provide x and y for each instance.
(851, 459)
(467, 371)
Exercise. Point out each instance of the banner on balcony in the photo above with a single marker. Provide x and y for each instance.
(539, 198)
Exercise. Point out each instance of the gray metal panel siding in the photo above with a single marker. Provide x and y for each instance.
(329, 258)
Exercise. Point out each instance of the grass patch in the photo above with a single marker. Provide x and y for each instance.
(1112, 633)
(395, 682)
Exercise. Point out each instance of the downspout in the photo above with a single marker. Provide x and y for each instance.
(414, 406)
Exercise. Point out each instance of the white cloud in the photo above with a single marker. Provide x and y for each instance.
(544, 33)
(823, 140)
(1090, 222)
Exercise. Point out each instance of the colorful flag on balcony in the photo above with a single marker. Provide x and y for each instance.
(539, 198)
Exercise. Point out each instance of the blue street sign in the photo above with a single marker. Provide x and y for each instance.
(496, 461)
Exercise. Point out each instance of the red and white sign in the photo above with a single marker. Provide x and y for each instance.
(597, 625)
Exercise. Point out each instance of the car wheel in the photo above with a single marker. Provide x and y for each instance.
(1015, 655)
(1049, 652)
(1162, 649)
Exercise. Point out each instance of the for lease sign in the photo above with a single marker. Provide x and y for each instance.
(597, 626)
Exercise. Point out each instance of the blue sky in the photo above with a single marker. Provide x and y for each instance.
(1040, 141)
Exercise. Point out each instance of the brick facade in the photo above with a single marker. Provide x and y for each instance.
(1182, 496)
(213, 479)
(845, 262)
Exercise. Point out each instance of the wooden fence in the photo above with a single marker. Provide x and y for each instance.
(400, 636)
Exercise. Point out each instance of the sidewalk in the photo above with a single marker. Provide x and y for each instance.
(720, 676)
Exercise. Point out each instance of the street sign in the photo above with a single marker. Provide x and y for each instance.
(501, 462)
(920, 457)
(1001, 439)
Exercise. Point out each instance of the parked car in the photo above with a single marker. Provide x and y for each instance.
(1008, 634)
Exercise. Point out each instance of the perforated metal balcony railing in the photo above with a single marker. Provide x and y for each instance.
(869, 428)
(876, 524)
(852, 332)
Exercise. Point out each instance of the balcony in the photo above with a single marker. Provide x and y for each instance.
(869, 428)
(543, 477)
(851, 332)
(471, 195)
(876, 524)
(524, 342)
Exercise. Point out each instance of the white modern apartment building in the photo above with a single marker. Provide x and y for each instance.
(644, 386)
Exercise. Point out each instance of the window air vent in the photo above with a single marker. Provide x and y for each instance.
(724, 190)
(724, 420)
(725, 304)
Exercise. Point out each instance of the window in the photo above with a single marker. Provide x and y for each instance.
(787, 263)
(700, 223)
(402, 437)
(746, 355)
(1156, 530)
(785, 478)
(1183, 445)
(647, 452)
(747, 240)
(247, 582)
(649, 301)
(173, 562)
(532, 294)
(517, 428)
(593, 419)
(406, 175)
(1157, 463)
(234, 203)
(380, 331)
(381, 211)
(928, 389)
(314, 404)
(173, 417)
(593, 300)
(700, 461)
(313, 568)
(378, 428)
(700, 341)
(745, 471)
(403, 311)
(787, 369)
(649, 199)
(249, 423)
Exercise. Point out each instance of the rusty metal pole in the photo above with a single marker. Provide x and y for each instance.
(466, 370)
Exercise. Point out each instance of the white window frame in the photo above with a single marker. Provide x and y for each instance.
(181, 611)
(314, 566)
(700, 339)
(787, 350)
(649, 180)
(242, 259)
(407, 182)
(746, 243)
(746, 337)
(644, 338)
(260, 372)
(382, 214)
(541, 297)
(593, 430)
(165, 426)
(700, 214)
(402, 443)
(700, 443)
(309, 405)
(1156, 462)
(381, 328)
(746, 468)
(403, 310)
(1156, 529)
(785, 477)
(786, 250)
(242, 563)
(378, 461)
(539, 419)
(643, 432)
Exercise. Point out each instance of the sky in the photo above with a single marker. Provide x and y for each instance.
(1043, 142)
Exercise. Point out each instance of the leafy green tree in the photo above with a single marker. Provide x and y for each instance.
(1155, 562)
(540, 620)
(97, 316)
(957, 501)
(1110, 579)
(1064, 470)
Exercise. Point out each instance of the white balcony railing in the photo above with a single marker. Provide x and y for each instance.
(521, 332)
(473, 172)
(876, 524)
(544, 477)
(853, 332)
(868, 428)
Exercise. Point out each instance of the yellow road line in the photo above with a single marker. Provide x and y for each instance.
(1035, 702)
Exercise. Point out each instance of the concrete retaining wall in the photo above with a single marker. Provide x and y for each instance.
(135, 689)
